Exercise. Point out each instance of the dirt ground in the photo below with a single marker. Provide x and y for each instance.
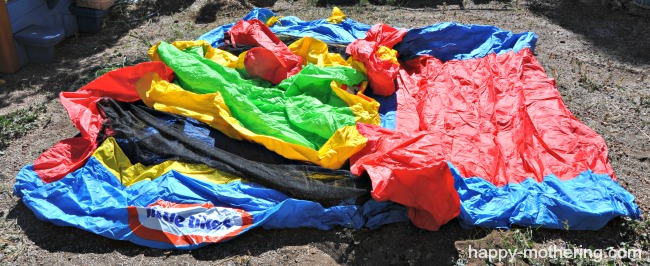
(599, 57)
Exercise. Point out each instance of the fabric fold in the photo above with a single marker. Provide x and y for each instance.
(496, 144)
(70, 154)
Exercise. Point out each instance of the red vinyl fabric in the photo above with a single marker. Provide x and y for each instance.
(381, 71)
(70, 154)
(405, 168)
(270, 59)
(499, 118)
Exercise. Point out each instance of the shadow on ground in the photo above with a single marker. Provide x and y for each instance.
(616, 32)
(209, 11)
(70, 71)
(400, 3)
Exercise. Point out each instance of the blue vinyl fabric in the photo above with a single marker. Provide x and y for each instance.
(448, 41)
(587, 202)
(445, 41)
(387, 109)
(344, 32)
(93, 199)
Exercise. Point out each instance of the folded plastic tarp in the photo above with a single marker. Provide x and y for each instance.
(307, 117)
(337, 31)
(177, 205)
(492, 139)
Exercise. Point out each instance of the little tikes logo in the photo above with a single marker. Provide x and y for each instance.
(187, 224)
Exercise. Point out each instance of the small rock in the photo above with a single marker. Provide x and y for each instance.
(616, 5)
(2, 82)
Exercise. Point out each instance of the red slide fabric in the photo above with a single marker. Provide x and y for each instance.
(70, 154)
(410, 170)
(271, 59)
(381, 72)
(499, 118)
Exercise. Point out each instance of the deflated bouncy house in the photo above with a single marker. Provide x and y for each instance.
(275, 122)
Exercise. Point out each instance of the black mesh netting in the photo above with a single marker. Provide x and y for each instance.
(149, 137)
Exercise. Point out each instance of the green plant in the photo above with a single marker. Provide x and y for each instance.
(140, 37)
(566, 225)
(589, 84)
(16, 124)
(584, 80)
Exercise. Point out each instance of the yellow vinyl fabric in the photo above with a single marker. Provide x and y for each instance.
(219, 56)
(337, 16)
(113, 158)
(387, 54)
(212, 110)
(315, 51)
(272, 20)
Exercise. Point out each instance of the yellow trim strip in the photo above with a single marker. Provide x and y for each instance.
(219, 56)
(111, 156)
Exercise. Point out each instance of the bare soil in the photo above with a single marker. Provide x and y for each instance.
(598, 56)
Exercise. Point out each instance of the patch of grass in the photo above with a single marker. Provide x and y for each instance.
(519, 239)
(584, 79)
(640, 230)
(589, 84)
(140, 37)
(16, 124)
